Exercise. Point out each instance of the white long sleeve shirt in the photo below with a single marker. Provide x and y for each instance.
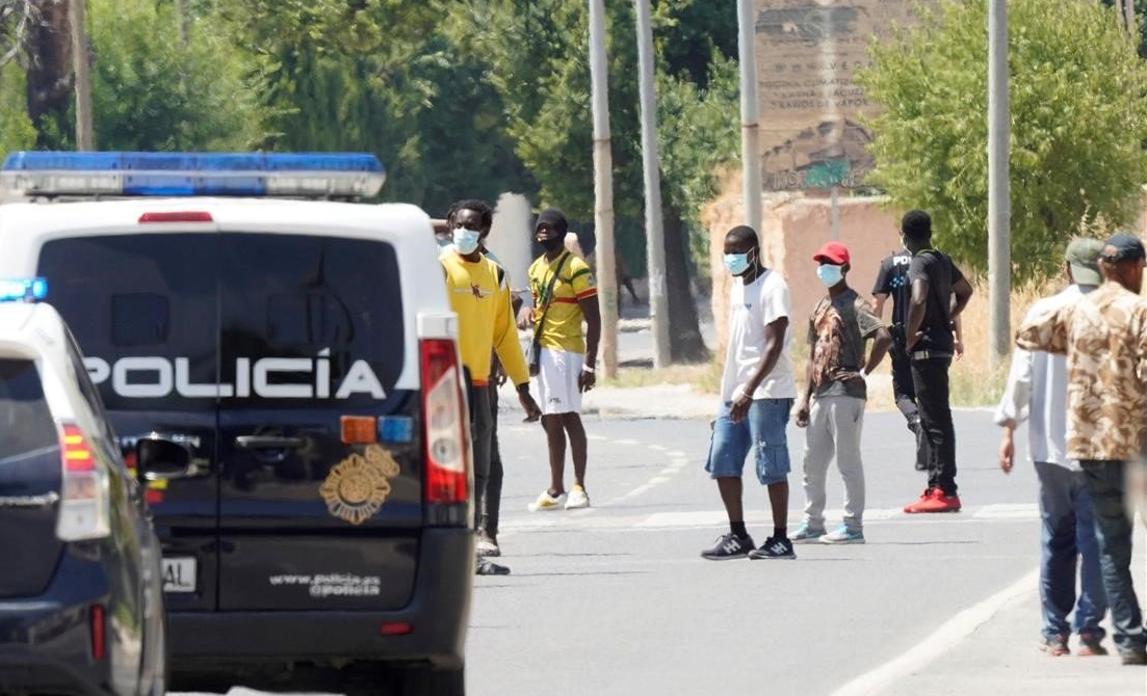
(1037, 392)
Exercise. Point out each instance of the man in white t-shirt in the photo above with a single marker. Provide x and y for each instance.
(757, 394)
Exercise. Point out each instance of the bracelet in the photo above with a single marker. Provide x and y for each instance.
(587, 368)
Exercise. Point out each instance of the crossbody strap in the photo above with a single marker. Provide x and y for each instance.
(548, 296)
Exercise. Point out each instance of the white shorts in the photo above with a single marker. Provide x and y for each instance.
(557, 381)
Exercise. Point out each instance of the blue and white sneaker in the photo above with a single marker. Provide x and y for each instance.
(806, 534)
(843, 535)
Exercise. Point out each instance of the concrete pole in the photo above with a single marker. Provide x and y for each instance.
(603, 190)
(750, 108)
(85, 139)
(999, 196)
(1129, 18)
(651, 163)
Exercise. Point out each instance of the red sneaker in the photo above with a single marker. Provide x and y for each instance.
(925, 498)
(935, 501)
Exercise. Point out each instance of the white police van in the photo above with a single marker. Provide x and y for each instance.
(282, 365)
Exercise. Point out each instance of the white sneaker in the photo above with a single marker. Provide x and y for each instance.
(578, 498)
(547, 502)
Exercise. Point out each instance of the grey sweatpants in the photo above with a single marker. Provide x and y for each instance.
(834, 428)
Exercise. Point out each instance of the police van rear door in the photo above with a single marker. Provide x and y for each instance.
(321, 480)
(144, 309)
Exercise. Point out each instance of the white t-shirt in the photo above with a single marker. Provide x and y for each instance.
(751, 308)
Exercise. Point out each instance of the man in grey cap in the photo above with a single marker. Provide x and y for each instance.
(1037, 392)
(1104, 335)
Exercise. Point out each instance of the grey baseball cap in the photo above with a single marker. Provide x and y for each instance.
(1083, 257)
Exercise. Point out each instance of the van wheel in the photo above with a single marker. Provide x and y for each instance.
(428, 681)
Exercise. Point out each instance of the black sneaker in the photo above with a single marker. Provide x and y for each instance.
(728, 547)
(488, 567)
(1133, 657)
(774, 549)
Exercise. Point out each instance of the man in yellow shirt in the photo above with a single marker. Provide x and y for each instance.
(564, 295)
(480, 296)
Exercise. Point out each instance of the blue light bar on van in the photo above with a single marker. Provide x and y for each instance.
(23, 289)
(191, 174)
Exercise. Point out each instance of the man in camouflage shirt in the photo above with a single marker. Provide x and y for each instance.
(1104, 335)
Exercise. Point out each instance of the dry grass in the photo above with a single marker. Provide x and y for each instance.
(974, 381)
(705, 377)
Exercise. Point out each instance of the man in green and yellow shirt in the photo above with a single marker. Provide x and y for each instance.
(565, 295)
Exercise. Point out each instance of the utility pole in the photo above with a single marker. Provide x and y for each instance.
(651, 162)
(750, 108)
(999, 196)
(78, 20)
(603, 190)
(1129, 18)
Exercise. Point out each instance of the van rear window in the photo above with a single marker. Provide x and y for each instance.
(25, 419)
(254, 320)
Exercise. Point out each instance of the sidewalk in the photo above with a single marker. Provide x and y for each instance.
(661, 401)
(1001, 657)
(680, 401)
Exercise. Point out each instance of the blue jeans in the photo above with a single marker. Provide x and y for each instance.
(762, 432)
(1106, 483)
(1068, 536)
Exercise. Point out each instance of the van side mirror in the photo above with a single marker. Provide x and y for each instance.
(168, 457)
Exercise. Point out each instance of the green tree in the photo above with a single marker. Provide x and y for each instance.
(378, 76)
(16, 130)
(1079, 120)
(537, 53)
(152, 91)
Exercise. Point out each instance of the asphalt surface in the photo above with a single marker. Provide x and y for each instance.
(615, 600)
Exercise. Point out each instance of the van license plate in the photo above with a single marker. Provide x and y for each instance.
(179, 574)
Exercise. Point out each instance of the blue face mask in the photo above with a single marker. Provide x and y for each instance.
(466, 241)
(737, 264)
(829, 275)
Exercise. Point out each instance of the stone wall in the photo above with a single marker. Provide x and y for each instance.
(794, 228)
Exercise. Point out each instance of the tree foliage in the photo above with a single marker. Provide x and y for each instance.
(1078, 115)
(153, 91)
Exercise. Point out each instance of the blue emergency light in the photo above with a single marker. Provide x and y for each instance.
(23, 289)
(324, 175)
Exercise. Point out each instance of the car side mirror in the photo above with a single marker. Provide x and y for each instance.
(167, 457)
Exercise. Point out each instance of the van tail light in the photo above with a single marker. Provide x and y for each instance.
(444, 423)
(84, 498)
(99, 632)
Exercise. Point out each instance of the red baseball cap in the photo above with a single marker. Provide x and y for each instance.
(834, 253)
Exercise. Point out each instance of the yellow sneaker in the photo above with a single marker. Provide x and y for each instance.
(547, 502)
(578, 498)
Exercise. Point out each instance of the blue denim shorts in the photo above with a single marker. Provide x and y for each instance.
(764, 426)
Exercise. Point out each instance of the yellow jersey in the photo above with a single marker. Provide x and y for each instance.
(480, 297)
(562, 329)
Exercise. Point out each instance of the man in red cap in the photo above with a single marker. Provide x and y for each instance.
(832, 408)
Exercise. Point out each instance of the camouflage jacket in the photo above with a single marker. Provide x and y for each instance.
(1104, 335)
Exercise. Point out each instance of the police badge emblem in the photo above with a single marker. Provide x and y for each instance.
(356, 487)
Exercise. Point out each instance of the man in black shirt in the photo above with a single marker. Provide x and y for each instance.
(892, 281)
(939, 292)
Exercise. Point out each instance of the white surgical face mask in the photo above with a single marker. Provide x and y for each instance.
(829, 274)
(466, 241)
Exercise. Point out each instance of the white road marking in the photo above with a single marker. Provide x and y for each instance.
(627, 442)
(615, 520)
(941, 641)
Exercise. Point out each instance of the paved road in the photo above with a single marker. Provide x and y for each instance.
(614, 600)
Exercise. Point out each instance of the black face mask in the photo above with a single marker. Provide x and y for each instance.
(552, 244)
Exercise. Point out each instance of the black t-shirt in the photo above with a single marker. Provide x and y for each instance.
(893, 280)
(941, 273)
